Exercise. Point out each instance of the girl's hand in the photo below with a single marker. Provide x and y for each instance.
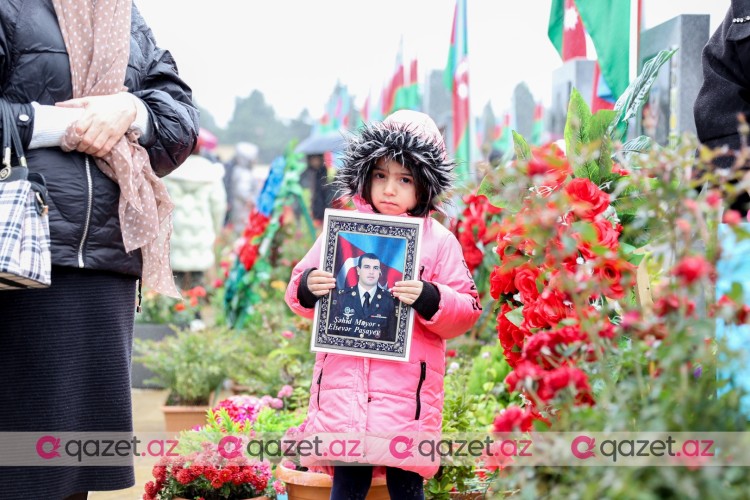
(407, 291)
(105, 120)
(320, 282)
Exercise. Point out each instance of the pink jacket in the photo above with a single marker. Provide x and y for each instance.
(362, 396)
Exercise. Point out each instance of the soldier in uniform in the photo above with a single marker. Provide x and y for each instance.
(364, 310)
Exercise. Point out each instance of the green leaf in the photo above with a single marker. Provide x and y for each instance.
(488, 189)
(515, 316)
(638, 145)
(632, 100)
(736, 293)
(576, 128)
(600, 122)
(586, 230)
(523, 151)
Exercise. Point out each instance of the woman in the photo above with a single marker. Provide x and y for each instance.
(98, 104)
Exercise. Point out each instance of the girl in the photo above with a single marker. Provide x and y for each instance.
(397, 167)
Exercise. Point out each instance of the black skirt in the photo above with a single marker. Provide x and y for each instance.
(65, 367)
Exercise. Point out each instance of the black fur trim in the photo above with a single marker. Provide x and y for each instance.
(423, 156)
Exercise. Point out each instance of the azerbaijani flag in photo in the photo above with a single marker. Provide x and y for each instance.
(349, 246)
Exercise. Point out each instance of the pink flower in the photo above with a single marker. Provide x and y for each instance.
(287, 334)
(285, 392)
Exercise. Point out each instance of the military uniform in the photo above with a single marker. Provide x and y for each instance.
(348, 317)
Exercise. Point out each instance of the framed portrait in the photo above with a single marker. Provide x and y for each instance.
(367, 254)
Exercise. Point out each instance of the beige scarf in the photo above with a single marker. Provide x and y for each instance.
(97, 37)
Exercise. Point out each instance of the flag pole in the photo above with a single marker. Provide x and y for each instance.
(635, 38)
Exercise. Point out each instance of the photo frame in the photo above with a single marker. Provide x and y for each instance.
(367, 253)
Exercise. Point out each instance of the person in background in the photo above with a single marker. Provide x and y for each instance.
(197, 191)
(93, 117)
(724, 95)
(242, 187)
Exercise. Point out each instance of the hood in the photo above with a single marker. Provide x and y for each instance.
(197, 170)
(412, 139)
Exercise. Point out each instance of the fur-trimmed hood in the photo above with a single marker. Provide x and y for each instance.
(409, 137)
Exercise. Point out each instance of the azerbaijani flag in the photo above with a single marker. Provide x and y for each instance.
(407, 97)
(614, 27)
(456, 79)
(565, 29)
(349, 246)
(396, 83)
(537, 129)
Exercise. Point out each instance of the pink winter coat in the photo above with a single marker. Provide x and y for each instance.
(362, 396)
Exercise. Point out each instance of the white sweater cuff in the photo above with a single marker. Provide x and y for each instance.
(142, 121)
(50, 124)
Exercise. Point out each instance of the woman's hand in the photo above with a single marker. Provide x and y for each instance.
(105, 120)
(407, 291)
(320, 282)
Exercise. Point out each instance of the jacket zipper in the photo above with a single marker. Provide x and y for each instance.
(320, 378)
(88, 213)
(422, 376)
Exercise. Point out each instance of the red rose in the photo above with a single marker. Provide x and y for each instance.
(525, 282)
(674, 304)
(691, 269)
(560, 378)
(587, 199)
(501, 281)
(524, 372)
(614, 275)
(513, 419)
(472, 254)
(551, 163)
(547, 310)
(507, 332)
(607, 235)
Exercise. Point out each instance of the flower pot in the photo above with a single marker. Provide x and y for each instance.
(182, 418)
(254, 498)
(139, 373)
(303, 485)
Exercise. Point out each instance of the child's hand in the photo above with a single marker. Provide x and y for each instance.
(407, 291)
(320, 282)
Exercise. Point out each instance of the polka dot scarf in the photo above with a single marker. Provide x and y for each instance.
(97, 37)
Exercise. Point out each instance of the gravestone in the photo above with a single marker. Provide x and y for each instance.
(578, 74)
(437, 102)
(523, 110)
(669, 108)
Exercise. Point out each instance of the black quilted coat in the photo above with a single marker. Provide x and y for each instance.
(34, 66)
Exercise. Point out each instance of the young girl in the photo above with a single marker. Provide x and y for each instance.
(397, 167)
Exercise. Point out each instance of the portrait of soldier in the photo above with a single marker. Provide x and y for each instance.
(365, 310)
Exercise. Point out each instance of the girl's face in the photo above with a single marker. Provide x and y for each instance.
(392, 188)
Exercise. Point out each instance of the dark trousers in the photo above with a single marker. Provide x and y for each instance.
(353, 483)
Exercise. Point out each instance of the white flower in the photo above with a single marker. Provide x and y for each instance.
(453, 367)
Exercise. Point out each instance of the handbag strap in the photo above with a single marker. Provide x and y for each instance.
(11, 135)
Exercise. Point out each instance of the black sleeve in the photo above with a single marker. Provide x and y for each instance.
(428, 302)
(174, 119)
(304, 295)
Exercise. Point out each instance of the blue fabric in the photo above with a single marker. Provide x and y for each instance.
(734, 267)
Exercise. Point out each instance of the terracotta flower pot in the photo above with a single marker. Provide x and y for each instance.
(181, 418)
(303, 485)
